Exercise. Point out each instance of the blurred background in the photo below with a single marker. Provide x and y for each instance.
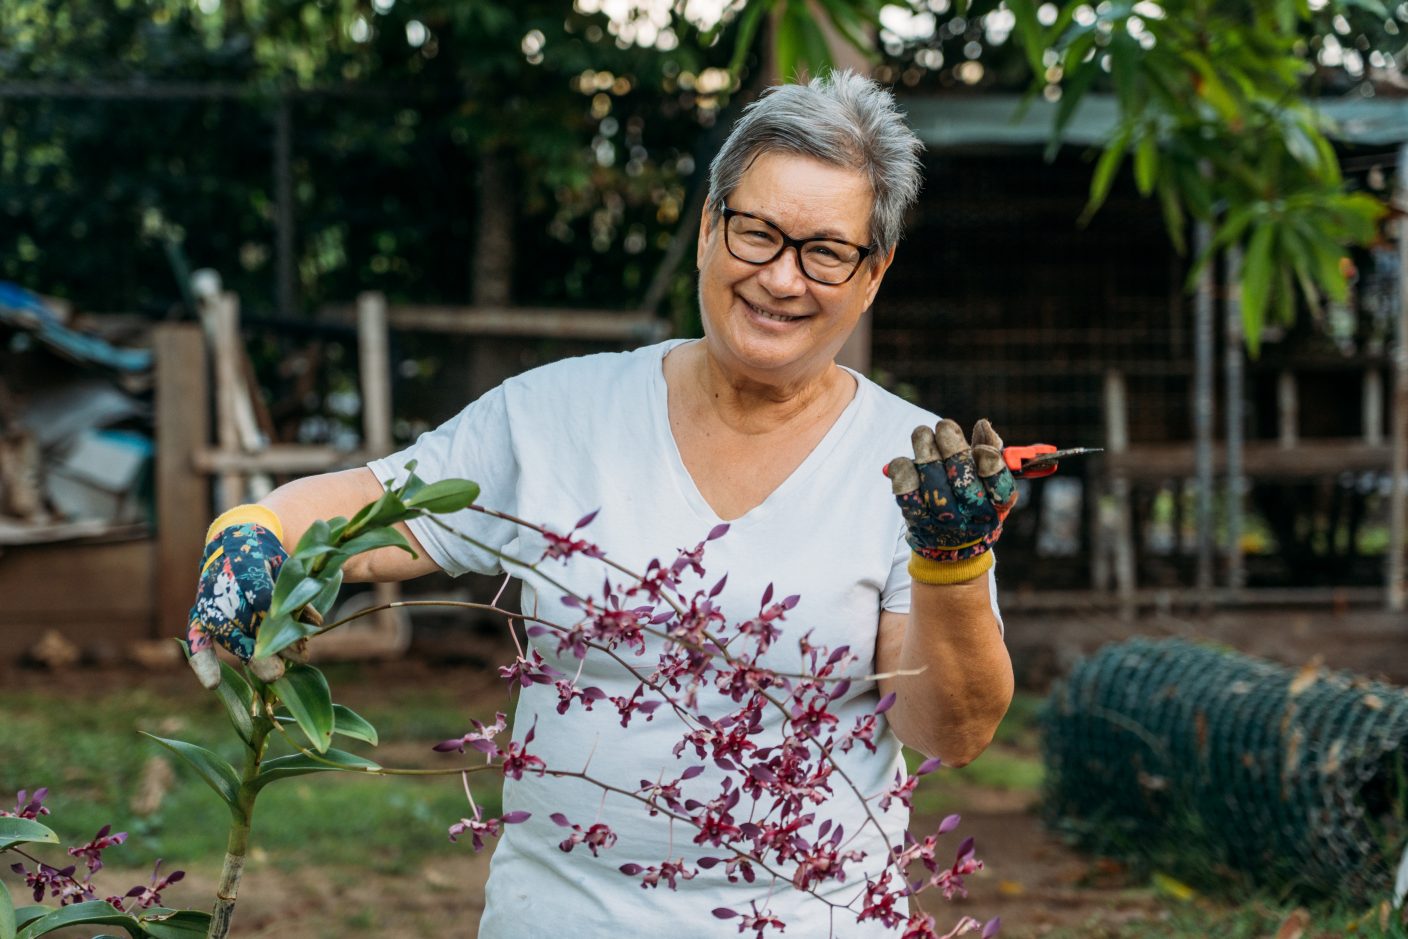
(247, 240)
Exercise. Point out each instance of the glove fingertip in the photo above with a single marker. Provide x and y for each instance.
(904, 475)
(207, 667)
(268, 669)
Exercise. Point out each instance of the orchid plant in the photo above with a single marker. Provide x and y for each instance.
(760, 826)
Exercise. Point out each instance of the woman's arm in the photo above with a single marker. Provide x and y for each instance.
(302, 502)
(952, 708)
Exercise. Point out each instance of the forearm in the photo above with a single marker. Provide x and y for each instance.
(963, 685)
(300, 503)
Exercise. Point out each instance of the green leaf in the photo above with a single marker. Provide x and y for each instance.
(162, 923)
(305, 691)
(90, 912)
(293, 572)
(1105, 171)
(27, 914)
(328, 595)
(1146, 164)
(386, 510)
(279, 632)
(787, 42)
(1174, 219)
(7, 914)
(377, 538)
(445, 496)
(1257, 272)
(299, 764)
(218, 774)
(316, 540)
(1029, 33)
(351, 724)
(21, 830)
(747, 30)
(298, 597)
(234, 692)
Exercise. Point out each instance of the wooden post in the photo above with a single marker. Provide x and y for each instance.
(1373, 407)
(374, 371)
(1232, 351)
(223, 332)
(1398, 501)
(392, 627)
(1287, 410)
(1203, 409)
(1117, 441)
(182, 492)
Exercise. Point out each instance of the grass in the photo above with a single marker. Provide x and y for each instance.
(90, 755)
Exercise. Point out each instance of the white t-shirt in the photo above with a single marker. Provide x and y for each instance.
(592, 433)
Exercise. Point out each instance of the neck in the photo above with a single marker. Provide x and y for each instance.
(748, 405)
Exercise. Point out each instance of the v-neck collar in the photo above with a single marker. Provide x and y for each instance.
(659, 399)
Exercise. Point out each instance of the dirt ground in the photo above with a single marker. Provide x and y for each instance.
(1033, 881)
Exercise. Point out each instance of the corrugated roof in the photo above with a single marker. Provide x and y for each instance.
(977, 120)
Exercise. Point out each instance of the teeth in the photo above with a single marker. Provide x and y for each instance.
(775, 317)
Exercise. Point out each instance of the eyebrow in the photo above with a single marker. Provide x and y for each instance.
(830, 234)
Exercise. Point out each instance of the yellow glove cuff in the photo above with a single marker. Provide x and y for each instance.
(241, 514)
(925, 571)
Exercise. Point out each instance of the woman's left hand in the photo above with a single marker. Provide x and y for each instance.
(954, 499)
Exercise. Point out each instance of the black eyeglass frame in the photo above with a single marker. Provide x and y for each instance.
(789, 242)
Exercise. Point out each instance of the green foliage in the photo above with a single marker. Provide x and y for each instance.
(213, 771)
(156, 923)
(15, 831)
(1215, 107)
(304, 691)
(388, 139)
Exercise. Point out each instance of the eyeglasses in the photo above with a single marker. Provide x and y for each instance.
(757, 241)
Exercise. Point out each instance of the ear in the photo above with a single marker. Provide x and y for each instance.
(706, 228)
(874, 273)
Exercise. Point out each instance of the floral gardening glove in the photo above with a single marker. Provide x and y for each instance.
(242, 558)
(954, 499)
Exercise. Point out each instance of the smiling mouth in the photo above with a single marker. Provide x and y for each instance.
(775, 317)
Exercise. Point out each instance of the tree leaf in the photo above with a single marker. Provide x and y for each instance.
(90, 912)
(279, 632)
(1256, 284)
(444, 496)
(1105, 171)
(22, 830)
(298, 764)
(747, 31)
(305, 692)
(1146, 164)
(218, 774)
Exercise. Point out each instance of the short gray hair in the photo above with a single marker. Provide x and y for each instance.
(842, 119)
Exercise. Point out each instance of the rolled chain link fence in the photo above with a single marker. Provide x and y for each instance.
(1293, 780)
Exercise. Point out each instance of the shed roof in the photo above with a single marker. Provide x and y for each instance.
(951, 122)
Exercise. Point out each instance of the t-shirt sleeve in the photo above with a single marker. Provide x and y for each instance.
(895, 598)
(476, 444)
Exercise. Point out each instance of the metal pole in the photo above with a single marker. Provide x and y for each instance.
(285, 269)
(1398, 502)
(1236, 573)
(1203, 407)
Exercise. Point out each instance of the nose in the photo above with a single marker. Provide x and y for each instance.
(783, 277)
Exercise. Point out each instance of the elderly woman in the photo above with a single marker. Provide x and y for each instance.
(755, 425)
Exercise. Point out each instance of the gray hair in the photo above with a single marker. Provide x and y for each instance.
(842, 119)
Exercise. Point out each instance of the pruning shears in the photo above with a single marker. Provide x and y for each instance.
(1039, 459)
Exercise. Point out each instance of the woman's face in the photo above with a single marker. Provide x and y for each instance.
(770, 323)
